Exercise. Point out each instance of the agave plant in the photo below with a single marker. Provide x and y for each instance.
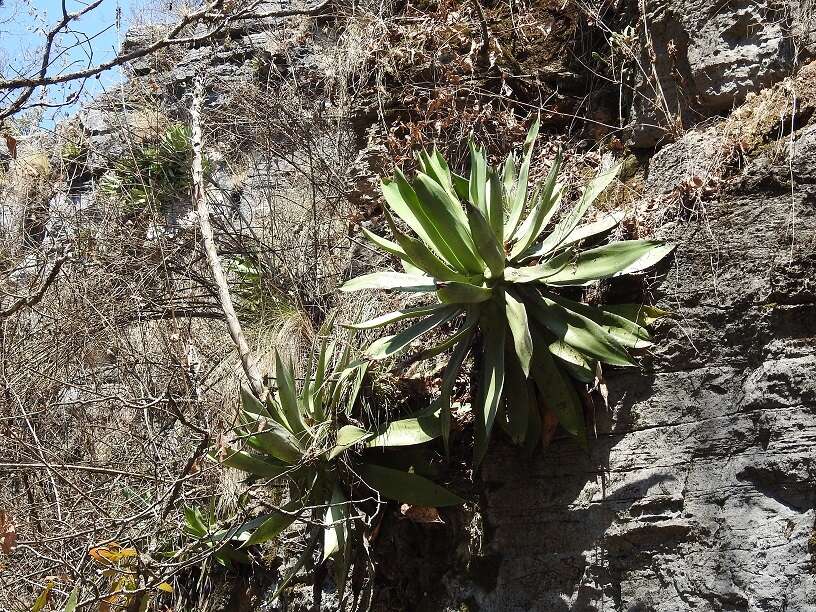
(490, 252)
(292, 437)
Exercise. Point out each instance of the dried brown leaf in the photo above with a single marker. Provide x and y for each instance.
(421, 514)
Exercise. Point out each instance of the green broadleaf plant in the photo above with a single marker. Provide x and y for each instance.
(488, 249)
(293, 437)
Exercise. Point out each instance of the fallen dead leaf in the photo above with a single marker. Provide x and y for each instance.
(11, 143)
(8, 533)
(421, 514)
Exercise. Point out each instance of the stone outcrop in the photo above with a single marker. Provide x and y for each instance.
(701, 58)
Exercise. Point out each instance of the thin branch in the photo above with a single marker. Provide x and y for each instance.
(33, 299)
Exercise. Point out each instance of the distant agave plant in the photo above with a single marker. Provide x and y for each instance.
(495, 273)
(293, 438)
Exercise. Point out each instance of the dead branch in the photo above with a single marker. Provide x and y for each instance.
(32, 300)
(200, 202)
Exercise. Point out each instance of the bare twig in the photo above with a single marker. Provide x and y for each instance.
(32, 299)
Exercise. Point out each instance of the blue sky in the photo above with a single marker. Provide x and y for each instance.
(22, 27)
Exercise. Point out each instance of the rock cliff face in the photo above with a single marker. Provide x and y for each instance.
(700, 491)
(699, 58)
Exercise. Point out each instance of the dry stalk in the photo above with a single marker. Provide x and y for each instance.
(200, 202)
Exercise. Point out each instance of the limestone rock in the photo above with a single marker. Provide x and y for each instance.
(700, 58)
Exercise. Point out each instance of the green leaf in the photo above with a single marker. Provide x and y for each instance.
(326, 352)
(487, 243)
(544, 209)
(516, 399)
(449, 225)
(478, 179)
(492, 380)
(565, 227)
(448, 380)
(496, 208)
(428, 213)
(391, 345)
(403, 200)
(272, 438)
(557, 392)
(256, 466)
(590, 231)
(348, 436)
(42, 600)
(520, 329)
(288, 397)
(194, 524)
(470, 323)
(73, 599)
(573, 361)
(435, 166)
(275, 523)
(384, 244)
(407, 432)
(628, 333)
(252, 403)
(605, 261)
(519, 195)
(407, 487)
(442, 172)
(421, 256)
(460, 186)
(462, 293)
(508, 175)
(389, 280)
(539, 272)
(638, 313)
(360, 370)
(576, 330)
(335, 536)
(651, 258)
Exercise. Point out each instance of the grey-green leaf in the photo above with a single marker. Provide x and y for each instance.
(462, 293)
(407, 432)
(543, 210)
(486, 241)
(336, 516)
(389, 280)
(407, 487)
(576, 330)
(391, 345)
(605, 261)
(348, 436)
(628, 333)
(565, 227)
(398, 315)
(256, 466)
(275, 523)
(520, 329)
(557, 392)
(518, 197)
(492, 380)
(589, 231)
